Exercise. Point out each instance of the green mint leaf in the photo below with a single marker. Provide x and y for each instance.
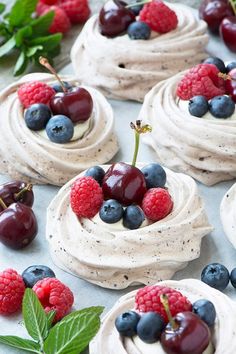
(21, 343)
(48, 42)
(32, 50)
(50, 317)
(41, 25)
(8, 46)
(23, 33)
(21, 12)
(21, 64)
(2, 7)
(74, 332)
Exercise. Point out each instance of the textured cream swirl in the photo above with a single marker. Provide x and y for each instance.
(118, 258)
(203, 148)
(228, 214)
(25, 154)
(224, 337)
(99, 61)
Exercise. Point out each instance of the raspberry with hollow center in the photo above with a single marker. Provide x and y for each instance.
(12, 288)
(157, 203)
(78, 11)
(35, 92)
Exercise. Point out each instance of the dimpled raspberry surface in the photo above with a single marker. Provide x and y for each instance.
(35, 92)
(54, 295)
(78, 11)
(148, 299)
(159, 16)
(61, 22)
(12, 290)
(201, 80)
(157, 203)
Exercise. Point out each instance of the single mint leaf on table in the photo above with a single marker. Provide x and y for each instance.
(2, 7)
(40, 25)
(21, 12)
(74, 332)
(8, 46)
(21, 64)
(20, 343)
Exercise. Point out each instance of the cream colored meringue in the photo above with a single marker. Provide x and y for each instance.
(25, 154)
(109, 341)
(228, 214)
(202, 148)
(98, 61)
(116, 259)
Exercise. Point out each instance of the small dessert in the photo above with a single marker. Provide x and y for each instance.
(228, 214)
(126, 49)
(182, 317)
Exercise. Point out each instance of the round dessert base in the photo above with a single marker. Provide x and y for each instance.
(228, 214)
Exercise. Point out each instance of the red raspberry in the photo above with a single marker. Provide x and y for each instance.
(61, 22)
(35, 92)
(78, 11)
(148, 299)
(54, 295)
(157, 204)
(86, 197)
(50, 2)
(12, 288)
(158, 16)
(41, 8)
(202, 80)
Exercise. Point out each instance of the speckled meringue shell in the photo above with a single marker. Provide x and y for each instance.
(228, 214)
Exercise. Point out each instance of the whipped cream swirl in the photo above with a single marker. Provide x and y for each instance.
(118, 258)
(228, 214)
(25, 154)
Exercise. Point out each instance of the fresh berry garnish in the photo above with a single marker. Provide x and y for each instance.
(230, 85)
(230, 66)
(16, 191)
(233, 277)
(37, 116)
(228, 32)
(139, 30)
(86, 197)
(215, 275)
(60, 129)
(133, 217)
(217, 62)
(198, 106)
(157, 204)
(158, 16)
(150, 327)
(35, 92)
(213, 12)
(61, 22)
(205, 310)
(201, 80)
(111, 211)
(50, 2)
(78, 11)
(149, 299)
(54, 295)
(12, 290)
(97, 173)
(155, 175)
(126, 323)
(34, 273)
(41, 8)
(222, 107)
(58, 88)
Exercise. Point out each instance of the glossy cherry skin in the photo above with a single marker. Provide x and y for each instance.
(18, 226)
(213, 13)
(114, 18)
(125, 183)
(228, 32)
(230, 85)
(9, 190)
(76, 104)
(191, 337)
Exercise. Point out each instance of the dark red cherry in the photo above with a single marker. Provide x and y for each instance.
(213, 13)
(230, 85)
(115, 18)
(228, 32)
(76, 104)
(125, 183)
(16, 191)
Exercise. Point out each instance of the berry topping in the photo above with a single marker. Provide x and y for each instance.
(58, 88)
(157, 204)
(86, 197)
(133, 217)
(35, 92)
(78, 11)
(149, 299)
(230, 66)
(159, 16)
(230, 85)
(126, 323)
(201, 80)
(54, 295)
(198, 106)
(139, 30)
(217, 62)
(150, 327)
(61, 22)
(205, 310)
(222, 106)
(155, 175)
(37, 116)
(233, 277)
(111, 211)
(34, 273)
(215, 275)
(97, 173)
(60, 129)
(12, 290)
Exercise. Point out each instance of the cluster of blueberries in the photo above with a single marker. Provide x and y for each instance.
(217, 276)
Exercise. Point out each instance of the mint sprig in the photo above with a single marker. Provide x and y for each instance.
(69, 336)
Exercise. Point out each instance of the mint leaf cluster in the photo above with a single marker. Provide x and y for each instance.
(69, 336)
(27, 35)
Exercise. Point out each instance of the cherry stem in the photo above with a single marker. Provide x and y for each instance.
(137, 140)
(27, 188)
(165, 303)
(139, 129)
(44, 62)
(233, 5)
(226, 77)
(3, 205)
(142, 2)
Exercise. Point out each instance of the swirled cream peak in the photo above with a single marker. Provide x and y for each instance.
(25, 154)
(116, 258)
(127, 69)
(109, 341)
(228, 214)
(202, 148)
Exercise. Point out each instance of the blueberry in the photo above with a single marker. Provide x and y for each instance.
(136, 9)
(111, 211)
(139, 30)
(150, 327)
(126, 324)
(154, 175)
(222, 106)
(60, 129)
(133, 217)
(216, 275)
(217, 62)
(97, 173)
(35, 273)
(198, 106)
(37, 116)
(233, 277)
(57, 87)
(205, 310)
(231, 66)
